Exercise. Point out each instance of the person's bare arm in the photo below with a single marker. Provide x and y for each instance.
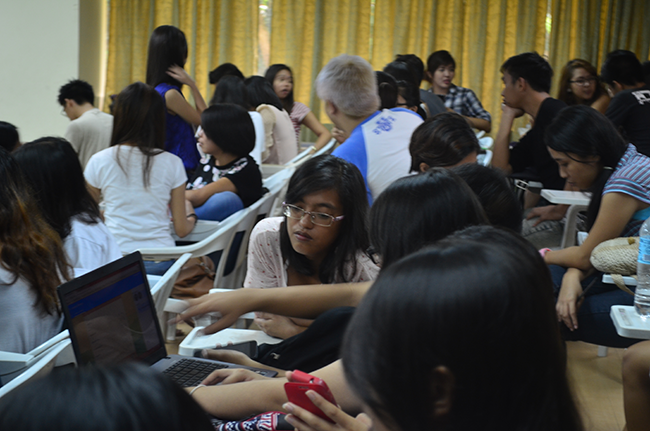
(239, 400)
(636, 386)
(295, 301)
(479, 123)
(177, 104)
(324, 135)
(501, 150)
(199, 196)
(181, 208)
(601, 103)
(616, 210)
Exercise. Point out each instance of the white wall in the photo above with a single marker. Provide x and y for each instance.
(39, 48)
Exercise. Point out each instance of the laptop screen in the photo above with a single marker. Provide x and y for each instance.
(111, 316)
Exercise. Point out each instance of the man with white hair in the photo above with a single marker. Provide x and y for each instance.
(378, 142)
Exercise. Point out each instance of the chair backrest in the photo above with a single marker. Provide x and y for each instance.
(300, 158)
(258, 211)
(163, 288)
(202, 230)
(486, 142)
(277, 185)
(485, 159)
(268, 170)
(217, 241)
(40, 368)
(328, 148)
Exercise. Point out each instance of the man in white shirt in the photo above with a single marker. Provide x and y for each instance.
(378, 142)
(90, 129)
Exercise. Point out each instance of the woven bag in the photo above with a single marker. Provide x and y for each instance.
(617, 257)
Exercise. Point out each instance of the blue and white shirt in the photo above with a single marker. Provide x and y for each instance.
(379, 147)
(632, 177)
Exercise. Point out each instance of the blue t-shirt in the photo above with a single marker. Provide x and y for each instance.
(179, 134)
(379, 147)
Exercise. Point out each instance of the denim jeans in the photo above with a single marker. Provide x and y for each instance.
(219, 206)
(594, 324)
(157, 268)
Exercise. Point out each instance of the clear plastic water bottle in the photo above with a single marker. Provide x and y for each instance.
(642, 293)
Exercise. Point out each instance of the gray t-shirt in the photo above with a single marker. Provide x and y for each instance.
(24, 325)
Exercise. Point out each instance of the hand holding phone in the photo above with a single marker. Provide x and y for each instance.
(303, 382)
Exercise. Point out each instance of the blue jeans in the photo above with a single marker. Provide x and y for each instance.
(594, 324)
(219, 206)
(157, 268)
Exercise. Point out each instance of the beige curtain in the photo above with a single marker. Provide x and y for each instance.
(589, 29)
(217, 31)
(479, 34)
(305, 35)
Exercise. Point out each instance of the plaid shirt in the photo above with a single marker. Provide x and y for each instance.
(464, 101)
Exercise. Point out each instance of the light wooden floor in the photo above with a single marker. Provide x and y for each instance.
(596, 383)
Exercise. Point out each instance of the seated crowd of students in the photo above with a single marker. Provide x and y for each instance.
(398, 256)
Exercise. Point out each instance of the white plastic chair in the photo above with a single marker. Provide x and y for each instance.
(12, 364)
(486, 142)
(40, 368)
(485, 159)
(277, 185)
(258, 211)
(161, 291)
(300, 158)
(327, 148)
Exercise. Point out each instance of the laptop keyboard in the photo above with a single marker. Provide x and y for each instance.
(188, 372)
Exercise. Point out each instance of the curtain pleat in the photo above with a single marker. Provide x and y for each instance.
(217, 31)
(480, 34)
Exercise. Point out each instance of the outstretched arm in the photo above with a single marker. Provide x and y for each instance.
(239, 400)
(317, 127)
(295, 301)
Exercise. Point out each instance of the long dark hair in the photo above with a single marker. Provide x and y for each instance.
(129, 397)
(260, 92)
(387, 90)
(231, 89)
(29, 248)
(53, 170)
(274, 69)
(459, 307)
(139, 120)
(331, 173)
(564, 94)
(167, 47)
(418, 210)
(583, 131)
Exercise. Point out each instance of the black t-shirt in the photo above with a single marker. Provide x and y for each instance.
(531, 152)
(244, 174)
(629, 110)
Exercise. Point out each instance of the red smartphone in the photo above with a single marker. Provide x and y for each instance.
(296, 392)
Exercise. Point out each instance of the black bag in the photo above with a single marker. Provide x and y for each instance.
(316, 347)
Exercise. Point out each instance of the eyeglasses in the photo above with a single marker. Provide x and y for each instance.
(319, 219)
(583, 82)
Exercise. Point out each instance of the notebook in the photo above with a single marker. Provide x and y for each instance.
(111, 318)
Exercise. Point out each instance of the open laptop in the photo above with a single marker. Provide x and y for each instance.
(111, 318)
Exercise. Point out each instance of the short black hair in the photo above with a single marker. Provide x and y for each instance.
(441, 141)
(533, 68)
(439, 58)
(646, 72)
(417, 210)
(231, 89)
(129, 397)
(623, 67)
(260, 92)
(417, 66)
(402, 71)
(495, 193)
(79, 91)
(225, 69)
(230, 127)
(9, 138)
(52, 169)
(387, 90)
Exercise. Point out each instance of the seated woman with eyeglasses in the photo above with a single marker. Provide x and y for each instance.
(580, 85)
(321, 239)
